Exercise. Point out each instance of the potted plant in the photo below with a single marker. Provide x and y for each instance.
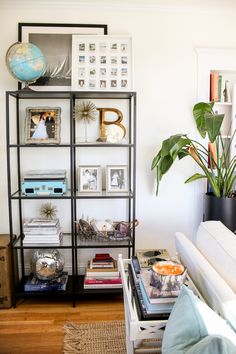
(215, 162)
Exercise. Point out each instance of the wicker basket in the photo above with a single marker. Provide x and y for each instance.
(87, 233)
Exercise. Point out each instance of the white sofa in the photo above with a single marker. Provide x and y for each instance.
(211, 262)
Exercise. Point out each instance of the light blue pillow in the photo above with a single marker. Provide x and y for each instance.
(190, 321)
(213, 344)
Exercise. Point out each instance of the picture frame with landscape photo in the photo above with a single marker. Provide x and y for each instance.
(90, 179)
(101, 63)
(42, 125)
(117, 178)
(55, 41)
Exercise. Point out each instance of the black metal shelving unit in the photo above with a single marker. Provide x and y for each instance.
(71, 240)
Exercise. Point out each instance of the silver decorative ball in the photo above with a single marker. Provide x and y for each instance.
(47, 264)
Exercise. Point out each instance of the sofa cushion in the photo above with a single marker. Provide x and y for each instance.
(218, 244)
(190, 321)
(215, 291)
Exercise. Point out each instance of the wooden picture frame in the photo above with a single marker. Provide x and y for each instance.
(55, 41)
(90, 179)
(117, 178)
(42, 125)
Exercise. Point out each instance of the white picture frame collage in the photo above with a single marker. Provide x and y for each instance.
(101, 63)
(90, 179)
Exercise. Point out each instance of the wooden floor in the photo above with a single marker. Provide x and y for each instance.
(36, 326)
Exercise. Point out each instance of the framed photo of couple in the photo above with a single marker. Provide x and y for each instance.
(90, 179)
(42, 125)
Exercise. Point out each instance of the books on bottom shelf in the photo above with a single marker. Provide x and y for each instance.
(99, 276)
(33, 283)
(92, 283)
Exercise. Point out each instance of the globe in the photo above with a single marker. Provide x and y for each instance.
(25, 62)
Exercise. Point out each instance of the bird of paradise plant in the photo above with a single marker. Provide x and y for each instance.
(215, 161)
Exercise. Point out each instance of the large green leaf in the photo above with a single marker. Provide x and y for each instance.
(165, 164)
(195, 177)
(156, 160)
(213, 125)
(169, 143)
(173, 145)
(199, 111)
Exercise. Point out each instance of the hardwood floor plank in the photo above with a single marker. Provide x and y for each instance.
(36, 326)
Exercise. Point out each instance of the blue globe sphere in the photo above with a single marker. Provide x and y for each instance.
(25, 62)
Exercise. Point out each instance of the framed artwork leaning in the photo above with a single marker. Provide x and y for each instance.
(90, 179)
(101, 63)
(42, 125)
(117, 178)
(55, 41)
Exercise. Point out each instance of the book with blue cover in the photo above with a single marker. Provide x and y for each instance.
(33, 283)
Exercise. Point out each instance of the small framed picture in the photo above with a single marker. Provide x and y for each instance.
(117, 178)
(90, 180)
(42, 125)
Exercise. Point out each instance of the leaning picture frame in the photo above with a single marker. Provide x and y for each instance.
(42, 125)
(116, 178)
(90, 179)
(55, 41)
(101, 63)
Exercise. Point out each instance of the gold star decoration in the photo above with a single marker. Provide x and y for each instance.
(86, 110)
(48, 211)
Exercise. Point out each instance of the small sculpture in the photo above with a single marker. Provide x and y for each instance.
(47, 264)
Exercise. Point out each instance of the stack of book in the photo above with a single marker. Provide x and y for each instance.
(148, 301)
(102, 272)
(42, 231)
(219, 88)
(33, 283)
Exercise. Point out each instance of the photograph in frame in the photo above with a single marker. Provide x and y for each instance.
(42, 125)
(101, 63)
(117, 178)
(55, 41)
(90, 180)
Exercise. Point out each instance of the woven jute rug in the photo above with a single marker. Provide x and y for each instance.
(95, 338)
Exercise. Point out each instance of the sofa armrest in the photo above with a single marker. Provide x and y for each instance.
(218, 245)
(216, 292)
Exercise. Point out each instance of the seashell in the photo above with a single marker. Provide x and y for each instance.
(102, 225)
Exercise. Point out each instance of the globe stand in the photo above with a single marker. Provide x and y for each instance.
(26, 88)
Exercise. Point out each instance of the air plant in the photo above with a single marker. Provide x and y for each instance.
(48, 211)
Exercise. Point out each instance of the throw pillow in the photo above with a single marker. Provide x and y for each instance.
(190, 321)
(213, 344)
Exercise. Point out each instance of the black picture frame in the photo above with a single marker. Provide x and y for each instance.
(59, 57)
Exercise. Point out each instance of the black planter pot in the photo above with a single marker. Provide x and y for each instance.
(223, 209)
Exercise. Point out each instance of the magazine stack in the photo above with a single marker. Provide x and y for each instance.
(149, 302)
(33, 283)
(42, 231)
(102, 272)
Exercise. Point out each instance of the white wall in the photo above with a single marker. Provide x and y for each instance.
(165, 73)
